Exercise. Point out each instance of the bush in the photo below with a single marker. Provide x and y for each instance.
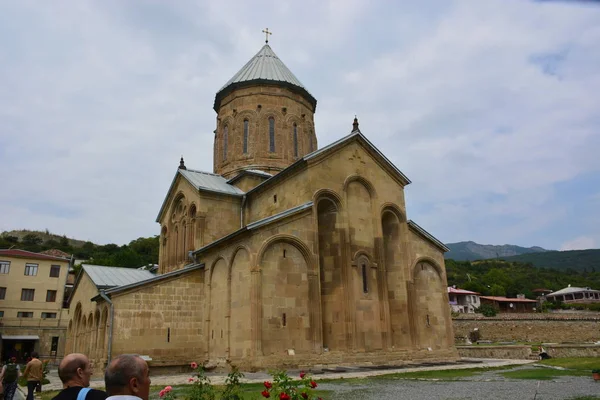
(474, 335)
(487, 310)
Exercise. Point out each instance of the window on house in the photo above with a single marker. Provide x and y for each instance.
(295, 137)
(31, 269)
(4, 267)
(1, 314)
(225, 139)
(51, 296)
(2, 293)
(364, 279)
(27, 294)
(54, 271)
(24, 314)
(246, 129)
(48, 315)
(272, 135)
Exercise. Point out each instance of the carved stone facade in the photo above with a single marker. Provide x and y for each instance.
(287, 255)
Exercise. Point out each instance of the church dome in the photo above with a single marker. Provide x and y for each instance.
(265, 118)
(264, 68)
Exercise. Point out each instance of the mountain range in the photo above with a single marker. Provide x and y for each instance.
(470, 251)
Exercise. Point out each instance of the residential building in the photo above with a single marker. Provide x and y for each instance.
(463, 301)
(517, 304)
(32, 316)
(572, 294)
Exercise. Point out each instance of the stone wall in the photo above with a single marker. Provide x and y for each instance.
(552, 328)
(526, 352)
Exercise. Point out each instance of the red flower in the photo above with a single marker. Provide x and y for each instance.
(304, 395)
(194, 365)
(302, 375)
(284, 396)
(190, 379)
(268, 384)
(265, 394)
(313, 384)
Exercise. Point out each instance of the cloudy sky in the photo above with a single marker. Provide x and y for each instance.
(490, 107)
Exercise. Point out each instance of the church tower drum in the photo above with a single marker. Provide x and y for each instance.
(265, 118)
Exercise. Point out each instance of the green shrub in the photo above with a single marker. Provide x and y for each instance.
(487, 310)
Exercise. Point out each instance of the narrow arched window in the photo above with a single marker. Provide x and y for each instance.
(225, 138)
(272, 135)
(365, 281)
(246, 129)
(295, 134)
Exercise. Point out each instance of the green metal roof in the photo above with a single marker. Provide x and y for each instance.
(264, 68)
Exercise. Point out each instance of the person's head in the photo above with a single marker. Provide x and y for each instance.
(35, 355)
(75, 370)
(128, 375)
(13, 360)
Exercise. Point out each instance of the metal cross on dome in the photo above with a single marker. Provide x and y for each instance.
(267, 33)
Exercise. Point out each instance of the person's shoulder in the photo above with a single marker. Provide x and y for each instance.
(96, 394)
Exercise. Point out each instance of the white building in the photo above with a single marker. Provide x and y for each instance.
(572, 294)
(463, 301)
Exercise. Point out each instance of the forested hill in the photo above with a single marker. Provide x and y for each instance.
(469, 251)
(574, 260)
(502, 278)
(138, 252)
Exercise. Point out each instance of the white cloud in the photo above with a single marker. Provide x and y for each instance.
(579, 243)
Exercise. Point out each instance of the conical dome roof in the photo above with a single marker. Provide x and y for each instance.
(264, 68)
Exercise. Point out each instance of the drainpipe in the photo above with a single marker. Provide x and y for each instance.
(242, 211)
(112, 320)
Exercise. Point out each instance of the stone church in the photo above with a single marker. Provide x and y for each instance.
(287, 254)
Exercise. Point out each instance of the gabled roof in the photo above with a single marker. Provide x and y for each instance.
(154, 278)
(264, 68)
(354, 136)
(203, 182)
(254, 172)
(501, 299)
(108, 277)
(30, 254)
(573, 289)
(413, 225)
(454, 290)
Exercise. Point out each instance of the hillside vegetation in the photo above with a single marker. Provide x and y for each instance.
(138, 252)
(502, 278)
(573, 260)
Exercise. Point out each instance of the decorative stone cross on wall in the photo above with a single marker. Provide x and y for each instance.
(267, 33)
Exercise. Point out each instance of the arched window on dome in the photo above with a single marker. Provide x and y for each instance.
(272, 135)
(246, 131)
(295, 136)
(225, 139)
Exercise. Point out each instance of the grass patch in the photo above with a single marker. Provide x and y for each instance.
(542, 374)
(580, 364)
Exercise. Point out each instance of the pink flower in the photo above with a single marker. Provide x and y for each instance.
(161, 393)
(194, 365)
(168, 389)
(190, 379)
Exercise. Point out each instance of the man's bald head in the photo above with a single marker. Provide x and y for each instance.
(128, 375)
(75, 370)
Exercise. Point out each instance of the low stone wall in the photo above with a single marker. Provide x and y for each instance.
(503, 352)
(521, 352)
(552, 328)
